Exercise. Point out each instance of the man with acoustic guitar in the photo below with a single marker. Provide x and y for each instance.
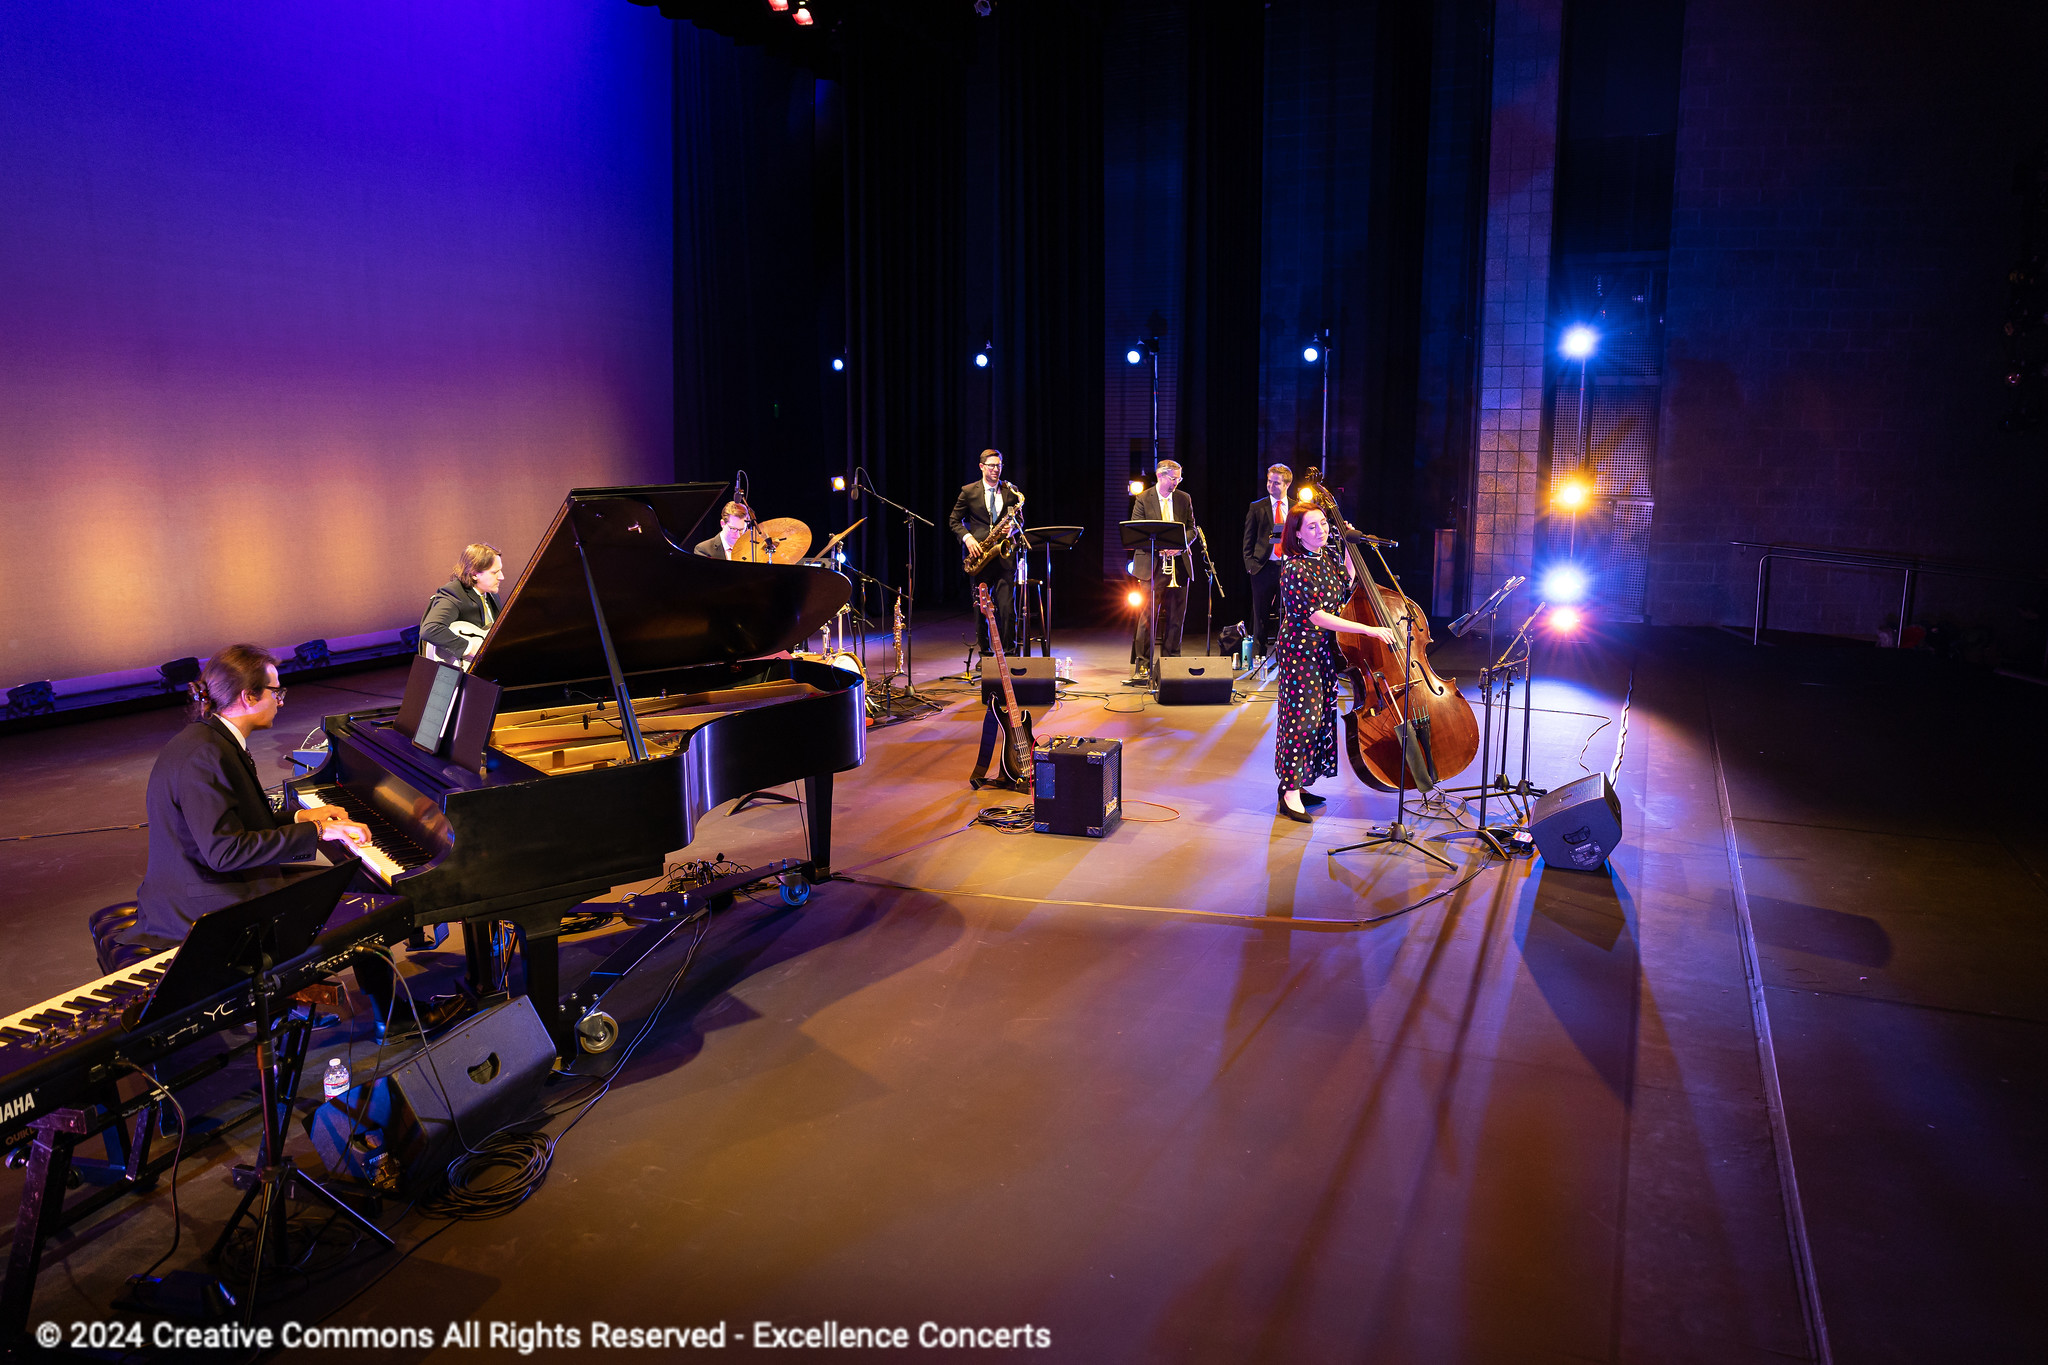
(977, 514)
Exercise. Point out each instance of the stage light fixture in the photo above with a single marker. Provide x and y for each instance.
(802, 17)
(838, 362)
(1137, 487)
(981, 360)
(1564, 583)
(1305, 495)
(838, 483)
(1135, 598)
(1578, 342)
(779, 6)
(1565, 620)
(1134, 355)
(1572, 494)
(1311, 354)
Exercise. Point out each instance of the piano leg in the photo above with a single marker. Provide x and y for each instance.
(544, 986)
(42, 1208)
(818, 797)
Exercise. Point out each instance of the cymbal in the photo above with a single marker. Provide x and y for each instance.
(788, 539)
(827, 550)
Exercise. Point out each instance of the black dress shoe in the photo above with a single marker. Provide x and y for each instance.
(1280, 804)
(1310, 799)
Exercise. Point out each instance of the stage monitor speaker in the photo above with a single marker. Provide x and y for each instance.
(401, 1131)
(1077, 786)
(1031, 677)
(1578, 825)
(1196, 679)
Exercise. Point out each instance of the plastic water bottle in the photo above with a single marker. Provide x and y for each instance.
(1244, 652)
(334, 1083)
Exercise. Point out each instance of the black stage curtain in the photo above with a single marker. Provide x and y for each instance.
(906, 344)
(1219, 389)
(1049, 297)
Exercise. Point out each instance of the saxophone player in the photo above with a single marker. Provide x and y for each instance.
(977, 512)
(1165, 502)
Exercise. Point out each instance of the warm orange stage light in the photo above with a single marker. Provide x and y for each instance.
(1308, 495)
(1572, 495)
(1137, 487)
(1564, 620)
(1135, 598)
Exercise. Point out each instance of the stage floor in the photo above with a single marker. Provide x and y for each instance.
(1165, 1096)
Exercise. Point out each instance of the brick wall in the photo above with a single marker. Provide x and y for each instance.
(1521, 176)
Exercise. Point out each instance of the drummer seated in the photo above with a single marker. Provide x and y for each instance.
(733, 521)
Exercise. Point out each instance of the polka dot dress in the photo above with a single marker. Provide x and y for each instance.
(1306, 745)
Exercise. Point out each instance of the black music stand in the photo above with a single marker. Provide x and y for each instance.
(1154, 536)
(244, 942)
(1490, 609)
(1050, 538)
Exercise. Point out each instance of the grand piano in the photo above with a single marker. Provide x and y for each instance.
(628, 689)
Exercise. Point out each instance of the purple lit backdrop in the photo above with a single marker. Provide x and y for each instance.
(294, 303)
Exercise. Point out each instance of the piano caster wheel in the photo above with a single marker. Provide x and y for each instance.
(596, 1031)
(795, 890)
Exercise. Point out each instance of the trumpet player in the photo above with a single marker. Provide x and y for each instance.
(1163, 502)
(977, 513)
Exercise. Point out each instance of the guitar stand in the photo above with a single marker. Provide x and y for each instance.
(991, 735)
(275, 1177)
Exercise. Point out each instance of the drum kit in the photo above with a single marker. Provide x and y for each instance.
(786, 540)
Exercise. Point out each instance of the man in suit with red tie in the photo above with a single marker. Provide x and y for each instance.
(1262, 554)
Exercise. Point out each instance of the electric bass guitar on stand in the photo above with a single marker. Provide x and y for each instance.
(1017, 744)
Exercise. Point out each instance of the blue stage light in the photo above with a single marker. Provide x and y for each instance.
(1134, 355)
(838, 362)
(1565, 583)
(1311, 354)
(981, 360)
(1578, 342)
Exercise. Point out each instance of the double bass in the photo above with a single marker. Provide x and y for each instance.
(1446, 732)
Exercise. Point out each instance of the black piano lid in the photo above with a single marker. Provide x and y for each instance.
(665, 605)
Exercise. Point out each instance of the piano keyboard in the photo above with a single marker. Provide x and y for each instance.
(389, 853)
(86, 1009)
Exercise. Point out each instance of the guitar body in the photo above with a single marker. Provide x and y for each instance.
(1018, 764)
(1016, 759)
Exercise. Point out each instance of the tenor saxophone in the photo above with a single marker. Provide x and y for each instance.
(998, 538)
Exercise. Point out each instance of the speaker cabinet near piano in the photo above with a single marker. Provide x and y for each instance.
(1196, 679)
(1032, 677)
(1578, 825)
(1077, 786)
(456, 1091)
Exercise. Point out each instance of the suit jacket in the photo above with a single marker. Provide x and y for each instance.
(453, 601)
(1145, 507)
(970, 510)
(713, 548)
(1258, 536)
(213, 838)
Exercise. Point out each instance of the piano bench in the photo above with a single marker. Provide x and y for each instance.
(109, 925)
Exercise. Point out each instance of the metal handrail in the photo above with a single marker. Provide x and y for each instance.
(1910, 565)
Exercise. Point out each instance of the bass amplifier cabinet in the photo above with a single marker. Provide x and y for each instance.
(1077, 786)
(1031, 677)
(1579, 824)
(1196, 679)
(401, 1131)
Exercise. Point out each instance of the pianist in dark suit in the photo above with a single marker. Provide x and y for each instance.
(977, 512)
(214, 839)
(733, 520)
(462, 609)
